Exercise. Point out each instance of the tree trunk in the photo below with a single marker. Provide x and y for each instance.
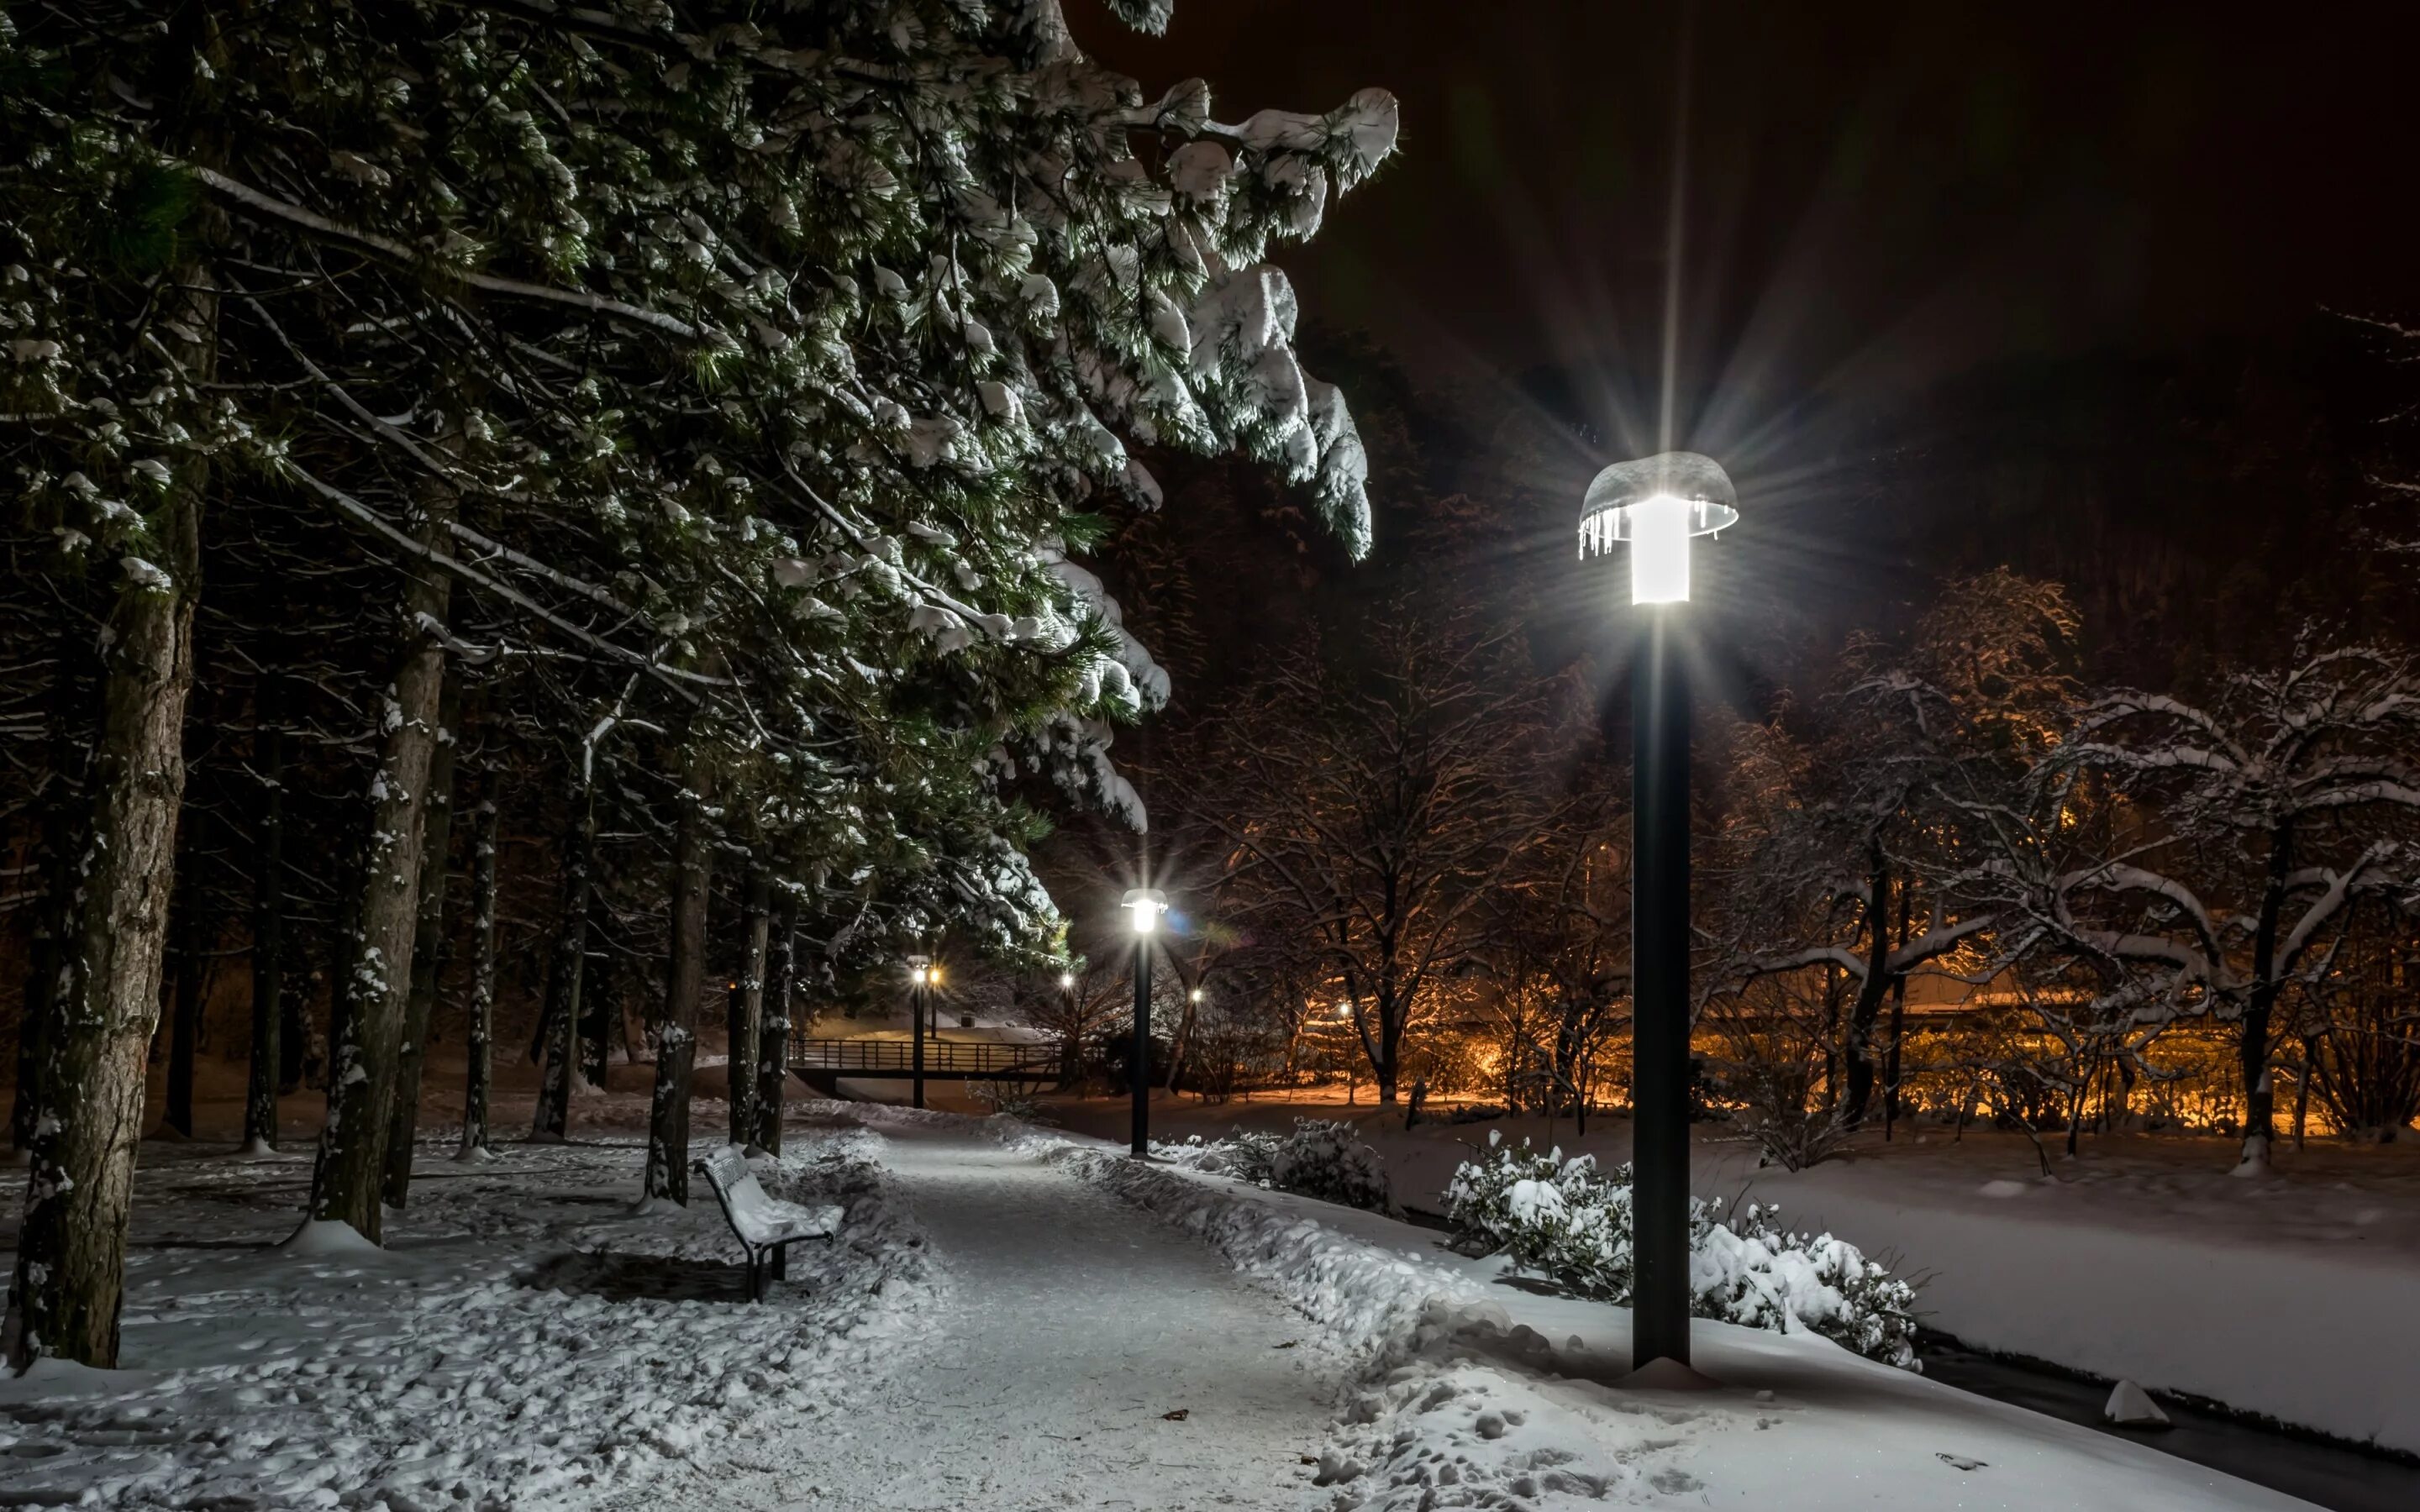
(343, 952)
(554, 1116)
(363, 1062)
(601, 1003)
(1897, 1023)
(747, 1025)
(478, 1041)
(427, 943)
(1867, 1009)
(1390, 1048)
(773, 1033)
(2259, 1093)
(63, 796)
(672, 1036)
(268, 919)
(2303, 1089)
(88, 1115)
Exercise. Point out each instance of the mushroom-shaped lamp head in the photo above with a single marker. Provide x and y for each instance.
(1146, 904)
(1657, 503)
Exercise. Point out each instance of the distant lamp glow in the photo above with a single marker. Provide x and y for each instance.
(1197, 995)
(1067, 982)
(1146, 904)
(1656, 505)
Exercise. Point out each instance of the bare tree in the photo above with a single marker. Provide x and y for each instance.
(1387, 785)
(1838, 845)
(2231, 838)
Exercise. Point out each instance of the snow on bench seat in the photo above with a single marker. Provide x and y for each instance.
(766, 1226)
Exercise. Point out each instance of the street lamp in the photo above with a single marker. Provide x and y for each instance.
(1658, 504)
(921, 974)
(1144, 906)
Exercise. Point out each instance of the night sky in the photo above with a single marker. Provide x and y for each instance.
(2045, 285)
(1879, 194)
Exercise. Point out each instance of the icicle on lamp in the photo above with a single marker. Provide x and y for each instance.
(1657, 504)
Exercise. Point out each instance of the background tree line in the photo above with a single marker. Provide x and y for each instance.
(2153, 870)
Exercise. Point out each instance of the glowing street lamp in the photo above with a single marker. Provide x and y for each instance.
(1657, 505)
(1143, 905)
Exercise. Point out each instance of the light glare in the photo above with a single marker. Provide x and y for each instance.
(1659, 550)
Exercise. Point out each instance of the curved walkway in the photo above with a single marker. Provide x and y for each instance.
(1073, 1326)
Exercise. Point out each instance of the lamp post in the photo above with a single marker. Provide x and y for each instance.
(1070, 1041)
(1657, 504)
(920, 971)
(1144, 906)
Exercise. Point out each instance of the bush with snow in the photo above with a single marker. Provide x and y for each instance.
(1569, 1221)
(1320, 1159)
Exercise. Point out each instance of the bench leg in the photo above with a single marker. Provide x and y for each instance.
(755, 1275)
(782, 1262)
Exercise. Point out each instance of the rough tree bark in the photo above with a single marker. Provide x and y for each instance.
(427, 944)
(362, 1061)
(71, 1248)
(773, 1032)
(672, 1035)
(62, 798)
(268, 917)
(553, 1116)
(479, 1038)
(747, 1020)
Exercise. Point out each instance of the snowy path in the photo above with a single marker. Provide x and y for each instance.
(1069, 1324)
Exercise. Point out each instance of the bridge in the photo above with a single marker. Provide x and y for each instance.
(819, 1062)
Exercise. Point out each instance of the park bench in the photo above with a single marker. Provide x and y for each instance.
(766, 1226)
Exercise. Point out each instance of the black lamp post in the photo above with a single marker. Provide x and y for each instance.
(921, 973)
(1145, 906)
(1657, 504)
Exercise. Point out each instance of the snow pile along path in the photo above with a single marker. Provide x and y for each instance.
(525, 1340)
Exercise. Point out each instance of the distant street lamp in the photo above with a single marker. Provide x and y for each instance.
(1658, 504)
(1145, 906)
(921, 974)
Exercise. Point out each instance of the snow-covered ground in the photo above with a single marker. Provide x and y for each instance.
(526, 1340)
(1484, 1391)
(2296, 1296)
(1010, 1320)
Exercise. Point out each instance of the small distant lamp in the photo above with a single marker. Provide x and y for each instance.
(1657, 505)
(921, 973)
(1144, 906)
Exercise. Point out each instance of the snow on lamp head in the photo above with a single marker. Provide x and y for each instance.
(1657, 503)
(1147, 905)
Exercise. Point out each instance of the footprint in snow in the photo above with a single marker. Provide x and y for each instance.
(1960, 1462)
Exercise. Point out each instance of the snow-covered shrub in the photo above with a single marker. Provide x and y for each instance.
(1570, 1221)
(1320, 1159)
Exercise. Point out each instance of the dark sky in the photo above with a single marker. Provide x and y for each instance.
(1880, 194)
